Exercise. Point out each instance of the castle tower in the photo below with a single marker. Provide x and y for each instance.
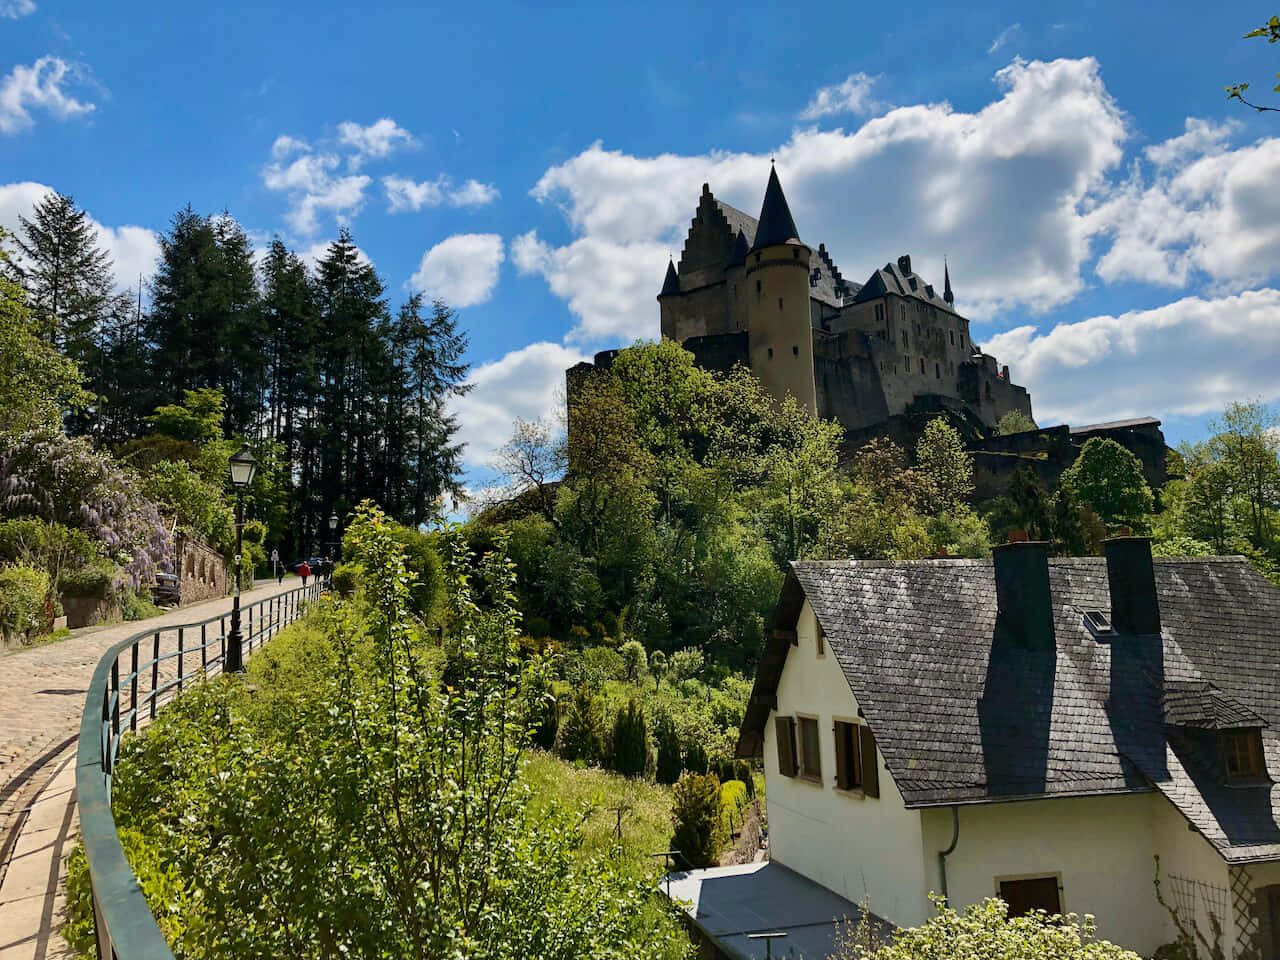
(780, 335)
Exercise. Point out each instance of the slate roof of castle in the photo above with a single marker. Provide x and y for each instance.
(962, 717)
(776, 223)
(891, 279)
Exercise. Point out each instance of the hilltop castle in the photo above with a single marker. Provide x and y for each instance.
(881, 357)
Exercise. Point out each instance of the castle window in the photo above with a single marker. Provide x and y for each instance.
(953, 337)
(922, 364)
(879, 313)
(906, 363)
(758, 288)
(771, 357)
(795, 351)
(937, 371)
(779, 303)
(904, 338)
(795, 254)
(904, 313)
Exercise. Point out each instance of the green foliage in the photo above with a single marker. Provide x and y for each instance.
(53, 547)
(945, 468)
(742, 771)
(1270, 31)
(695, 757)
(24, 593)
(670, 762)
(197, 419)
(697, 830)
(634, 659)
(960, 533)
(346, 579)
(1015, 421)
(579, 735)
(630, 741)
(733, 801)
(100, 580)
(686, 664)
(137, 606)
(986, 930)
(1108, 478)
(198, 506)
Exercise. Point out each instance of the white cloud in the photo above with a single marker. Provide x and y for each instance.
(379, 139)
(405, 194)
(852, 95)
(39, 87)
(312, 188)
(1005, 35)
(285, 145)
(1006, 192)
(1205, 210)
(462, 269)
(16, 9)
(1186, 358)
(133, 250)
(527, 383)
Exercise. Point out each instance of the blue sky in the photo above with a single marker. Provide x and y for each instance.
(1111, 221)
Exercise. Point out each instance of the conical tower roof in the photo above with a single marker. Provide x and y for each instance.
(776, 224)
(672, 283)
(947, 295)
(740, 250)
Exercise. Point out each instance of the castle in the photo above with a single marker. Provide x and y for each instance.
(881, 357)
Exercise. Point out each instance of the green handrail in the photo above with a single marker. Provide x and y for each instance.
(124, 924)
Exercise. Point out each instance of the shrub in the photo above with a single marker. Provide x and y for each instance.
(695, 817)
(695, 757)
(724, 770)
(23, 594)
(686, 664)
(630, 741)
(600, 664)
(137, 606)
(101, 580)
(742, 771)
(733, 800)
(667, 740)
(634, 660)
(346, 578)
(578, 736)
(537, 627)
(423, 563)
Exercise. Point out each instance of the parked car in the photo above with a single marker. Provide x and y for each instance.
(165, 589)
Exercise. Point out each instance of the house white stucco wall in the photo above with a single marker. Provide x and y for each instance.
(858, 846)
(1102, 848)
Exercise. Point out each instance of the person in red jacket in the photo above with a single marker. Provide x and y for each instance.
(304, 571)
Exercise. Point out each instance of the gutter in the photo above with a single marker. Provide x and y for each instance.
(943, 854)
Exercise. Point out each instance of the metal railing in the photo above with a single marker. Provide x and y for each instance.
(161, 662)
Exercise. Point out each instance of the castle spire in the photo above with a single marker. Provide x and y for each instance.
(672, 283)
(776, 225)
(947, 295)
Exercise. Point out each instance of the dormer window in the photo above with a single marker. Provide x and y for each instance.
(1242, 754)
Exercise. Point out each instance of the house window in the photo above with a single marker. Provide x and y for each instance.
(785, 728)
(856, 758)
(810, 749)
(822, 641)
(771, 353)
(879, 313)
(1242, 750)
(1031, 893)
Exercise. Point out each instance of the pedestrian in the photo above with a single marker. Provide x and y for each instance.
(279, 573)
(304, 571)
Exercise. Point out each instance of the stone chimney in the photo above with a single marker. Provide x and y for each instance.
(1023, 600)
(1131, 578)
(904, 265)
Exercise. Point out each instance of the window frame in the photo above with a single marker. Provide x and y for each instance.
(854, 772)
(1055, 875)
(1244, 743)
(802, 752)
(789, 722)
(819, 640)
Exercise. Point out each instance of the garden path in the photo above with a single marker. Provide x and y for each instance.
(42, 693)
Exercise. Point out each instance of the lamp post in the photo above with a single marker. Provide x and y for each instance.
(243, 467)
(333, 543)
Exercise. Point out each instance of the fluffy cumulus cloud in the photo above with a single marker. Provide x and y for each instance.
(313, 186)
(405, 194)
(462, 269)
(852, 95)
(134, 251)
(527, 383)
(42, 86)
(379, 139)
(1006, 192)
(1198, 209)
(16, 9)
(1189, 357)
(286, 145)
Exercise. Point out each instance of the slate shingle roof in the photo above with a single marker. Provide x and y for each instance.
(891, 279)
(962, 717)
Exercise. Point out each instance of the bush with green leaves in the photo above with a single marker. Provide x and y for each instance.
(634, 660)
(100, 580)
(365, 809)
(686, 664)
(346, 579)
(630, 741)
(24, 593)
(695, 757)
(984, 929)
(670, 763)
(54, 547)
(742, 771)
(697, 830)
(578, 737)
(733, 801)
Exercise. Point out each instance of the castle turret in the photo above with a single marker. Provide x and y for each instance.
(947, 295)
(780, 337)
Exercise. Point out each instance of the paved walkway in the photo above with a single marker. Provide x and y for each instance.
(42, 693)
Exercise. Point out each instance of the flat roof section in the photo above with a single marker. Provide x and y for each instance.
(728, 903)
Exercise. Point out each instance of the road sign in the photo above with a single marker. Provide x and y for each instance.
(275, 556)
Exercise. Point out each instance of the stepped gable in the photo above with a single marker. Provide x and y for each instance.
(776, 223)
(741, 247)
(830, 285)
(712, 240)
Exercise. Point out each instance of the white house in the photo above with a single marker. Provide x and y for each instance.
(1042, 729)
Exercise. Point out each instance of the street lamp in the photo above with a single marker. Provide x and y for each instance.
(333, 543)
(243, 467)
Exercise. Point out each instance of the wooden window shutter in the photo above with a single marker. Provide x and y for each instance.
(870, 773)
(785, 728)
